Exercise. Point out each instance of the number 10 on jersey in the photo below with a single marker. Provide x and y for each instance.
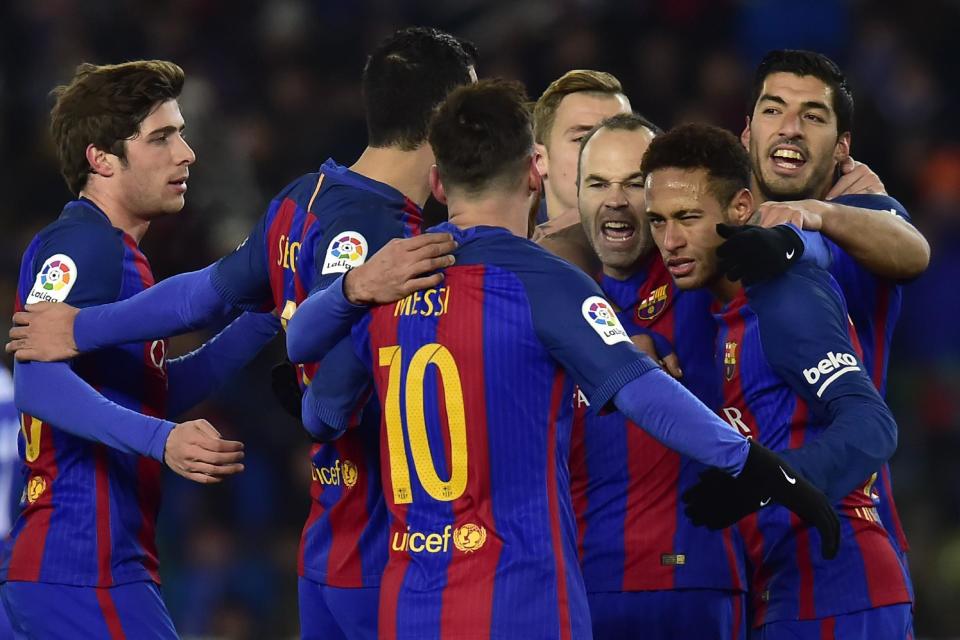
(416, 426)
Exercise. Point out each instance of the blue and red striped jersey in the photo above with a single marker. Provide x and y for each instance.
(874, 306)
(90, 510)
(787, 355)
(632, 532)
(474, 379)
(317, 228)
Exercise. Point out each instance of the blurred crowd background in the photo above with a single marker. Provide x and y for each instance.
(273, 89)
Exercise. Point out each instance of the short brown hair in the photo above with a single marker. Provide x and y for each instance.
(576, 81)
(482, 136)
(103, 105)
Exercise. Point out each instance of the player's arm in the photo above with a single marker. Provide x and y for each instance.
(335, 398)
(580, 331)
(754, 253)
(873, 228)
(396, 268)
(75, 407)
(196, 375)
(804, 333)
(179, 304)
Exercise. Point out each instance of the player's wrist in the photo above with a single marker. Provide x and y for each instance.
(355, 288)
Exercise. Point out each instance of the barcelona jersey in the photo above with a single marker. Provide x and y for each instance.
(90, 511)
(786, 355)
(474, 379)
(316, 229)
(632, 532)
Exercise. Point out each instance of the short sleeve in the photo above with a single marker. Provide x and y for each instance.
(242, 278)
(80, 264)
(350, 239)
(580, 329)
(805, 335)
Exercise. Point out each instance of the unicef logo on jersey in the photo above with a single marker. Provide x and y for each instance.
(54, 280)
(345, 252)
(600, 316)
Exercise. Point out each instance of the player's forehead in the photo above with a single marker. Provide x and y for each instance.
(164, 115)
(795, 89)
(585, 109)
(615, 153)
(671, 190)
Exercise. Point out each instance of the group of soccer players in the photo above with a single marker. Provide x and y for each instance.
(494, 455)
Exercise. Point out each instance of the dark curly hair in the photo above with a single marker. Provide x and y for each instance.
(702, 146)
(104, 106)
(482, 135)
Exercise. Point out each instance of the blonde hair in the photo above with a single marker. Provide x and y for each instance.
(575, 81)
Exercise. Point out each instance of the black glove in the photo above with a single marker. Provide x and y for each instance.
(754, 254)
(286, 388)
(719, 500)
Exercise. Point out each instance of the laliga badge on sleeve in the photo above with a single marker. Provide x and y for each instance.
(54, 281)
(600, 316)
(346, 251)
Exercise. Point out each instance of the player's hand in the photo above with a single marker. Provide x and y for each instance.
(44, 332)
(719, 500)
(803, 214)
(856, 178)
(754, 254)
(196, 451)
(669, 363)
(286, 387)
(399, 269)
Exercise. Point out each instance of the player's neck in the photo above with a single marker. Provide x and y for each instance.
(760, 196)
(555, 208)
(406, 171)
(494, 210)
(724, 289)
(118, 214)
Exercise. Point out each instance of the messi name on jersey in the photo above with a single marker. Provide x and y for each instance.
(432, 302)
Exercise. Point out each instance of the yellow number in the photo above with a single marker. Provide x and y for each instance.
(289, 309)
(31, 436)
(443, 490)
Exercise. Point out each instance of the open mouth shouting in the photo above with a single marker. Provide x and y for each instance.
(788, 160)
(618, 231)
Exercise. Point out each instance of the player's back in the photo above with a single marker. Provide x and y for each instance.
(99, 505)
(474, 447)
(786, 351)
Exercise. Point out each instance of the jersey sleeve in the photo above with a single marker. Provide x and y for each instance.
(80, 264)
(242, 278)
(335, 398)
(581, 331)
(804, 333)
(855, 280)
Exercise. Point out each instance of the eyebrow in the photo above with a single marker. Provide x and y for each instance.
(578, 128)
(632, 176)
(809, 104)
(168, 129)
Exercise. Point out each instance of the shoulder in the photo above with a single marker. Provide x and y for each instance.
(873, 201)
(804, 298)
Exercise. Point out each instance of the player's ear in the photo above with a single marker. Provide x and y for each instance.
(100, 161)
(534, 179)
(540, 158)
(745, 134)
(741, 207)
(842, 150)
(436, 187)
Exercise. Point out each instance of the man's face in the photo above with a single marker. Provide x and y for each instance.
(611, 198)
(153, 180)
(792, 138)
(683, 217)
(576, 114)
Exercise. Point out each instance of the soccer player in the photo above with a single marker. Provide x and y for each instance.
(474, 380)
(320, 226)
(95, 432)
(793, 379)
(569, 107)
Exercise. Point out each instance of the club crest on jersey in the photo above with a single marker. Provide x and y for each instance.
(729, 360)
(653, 305)
(600, 316)
(35, 488)
(54, 281)
(346, 251)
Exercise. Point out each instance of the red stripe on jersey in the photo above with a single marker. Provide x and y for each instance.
(110, 616)
(299, 291)
(316, 511)
(148, 494)
(553, 495)
(413, 218)
(276, 250)
(888, 497)
(806, 607)
(467, 601)
(383, 331)
(883, 574)
(760, 580)
(101, 477)
(828, 628)
(732, 559)
(736, 607)
(651, 511)
(733, 395)
(579, 473)
(880, 334)
(348, 517)
(26, 558)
